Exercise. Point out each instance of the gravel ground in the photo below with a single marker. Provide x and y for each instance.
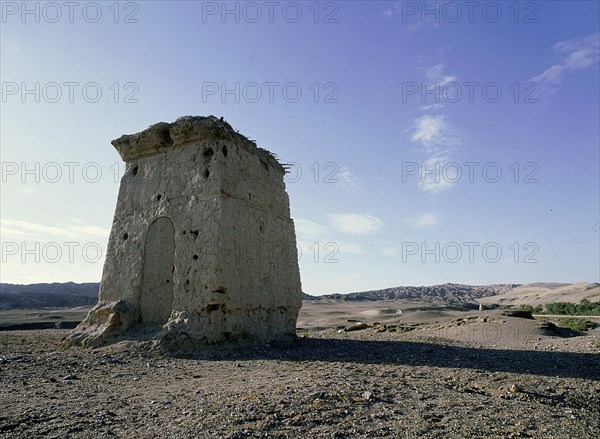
(408, 383)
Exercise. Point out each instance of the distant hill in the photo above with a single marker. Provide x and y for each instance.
(54, 295)
(70, 294)
(449, 293)
(543, 293)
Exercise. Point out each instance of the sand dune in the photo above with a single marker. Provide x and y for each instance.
(543, 293)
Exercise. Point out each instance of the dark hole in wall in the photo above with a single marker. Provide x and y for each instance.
(224, 151)
(158, 197)
(165, 136)
(213, 307)
(208, 153)
(134, 170)
(195, 257)
(206, 173)
(125, 236)
(195, 233)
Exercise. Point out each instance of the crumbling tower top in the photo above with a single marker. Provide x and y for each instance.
(184, 131)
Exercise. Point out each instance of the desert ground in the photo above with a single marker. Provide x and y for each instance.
(371, 369)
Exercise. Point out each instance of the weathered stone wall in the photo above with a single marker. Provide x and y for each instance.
(235, 270)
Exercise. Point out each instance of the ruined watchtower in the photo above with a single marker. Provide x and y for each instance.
(202, 245)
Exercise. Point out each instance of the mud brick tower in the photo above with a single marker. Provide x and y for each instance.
(202, 245)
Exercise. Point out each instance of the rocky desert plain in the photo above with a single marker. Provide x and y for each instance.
(397, 363)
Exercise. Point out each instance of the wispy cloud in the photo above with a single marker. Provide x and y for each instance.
(425, 220)
(435, 81)
(349, 247)
(309, 230)
(347, 178)
(356, 223)
(16, 229)
(412, 22)
(326, 250)
(432, 107)
(435, 134)
(388, 13)
(437, 137)
(434, 178)
(436, 75)
(573, 56)
(391, 251)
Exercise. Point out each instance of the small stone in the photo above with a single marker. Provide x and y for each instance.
(367, 395)
(515, 388)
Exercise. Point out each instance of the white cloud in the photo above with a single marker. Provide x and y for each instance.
(326, 251)
(435, 75)
(435, 187)
(391, 251)
(432, 107)
(84, 230)
(349, 247)
(347, 179)
(573, 56)
(429, 129)
(435, 177)
(412, 22)
(388, 13)
(425, 220)
(10, 233)
(356, 223)
(22, 229)
(434, 93)
(435, 134)
(309, 230)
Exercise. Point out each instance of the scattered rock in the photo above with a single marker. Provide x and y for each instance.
(354, 384)
(356, 327)
(515, 388)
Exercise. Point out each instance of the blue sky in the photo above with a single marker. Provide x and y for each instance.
(430, 143)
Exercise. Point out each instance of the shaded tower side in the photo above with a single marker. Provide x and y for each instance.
(257, 291)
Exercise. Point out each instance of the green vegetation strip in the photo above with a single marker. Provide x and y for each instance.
(584, 308)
